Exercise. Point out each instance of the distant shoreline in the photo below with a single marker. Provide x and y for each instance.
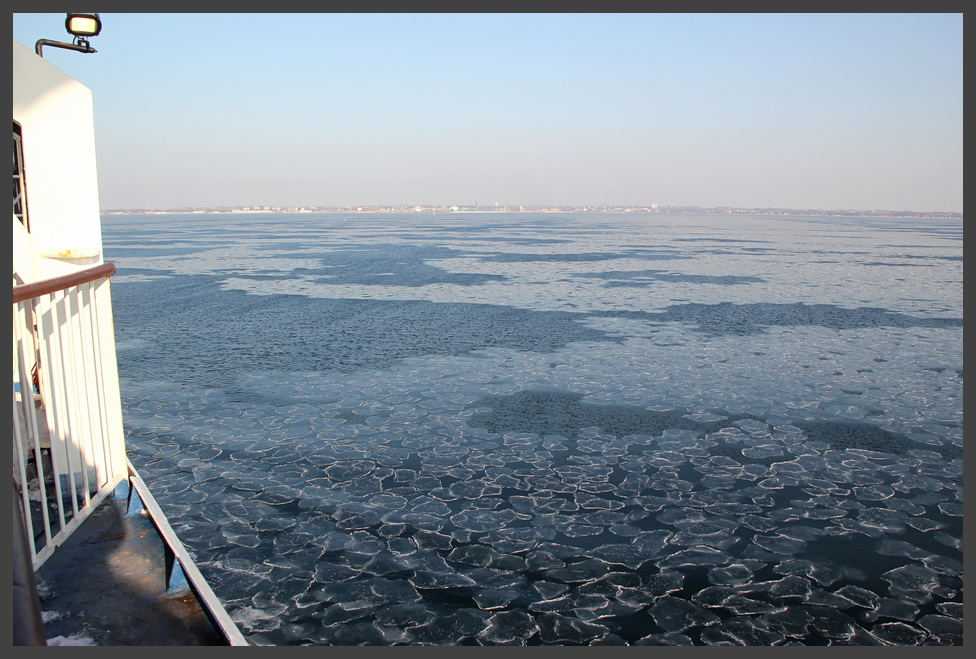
(664, 210)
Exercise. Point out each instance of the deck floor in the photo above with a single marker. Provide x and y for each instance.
(106, 586)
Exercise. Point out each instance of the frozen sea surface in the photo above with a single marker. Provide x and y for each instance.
(519, 429)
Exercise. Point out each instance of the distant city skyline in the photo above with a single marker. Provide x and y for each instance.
(454, 208)
(799, 111)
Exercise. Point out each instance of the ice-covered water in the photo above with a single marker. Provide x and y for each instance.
(520, 429)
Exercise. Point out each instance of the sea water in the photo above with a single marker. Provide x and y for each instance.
(553, 429)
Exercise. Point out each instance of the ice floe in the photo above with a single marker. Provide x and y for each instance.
(515, 432)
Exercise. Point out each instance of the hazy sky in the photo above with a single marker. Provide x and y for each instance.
(831, 111)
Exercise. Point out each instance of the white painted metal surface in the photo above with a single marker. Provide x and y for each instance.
(69, 447)
(69, 432)
(55, 118)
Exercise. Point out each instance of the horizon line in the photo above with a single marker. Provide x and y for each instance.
(650, 208)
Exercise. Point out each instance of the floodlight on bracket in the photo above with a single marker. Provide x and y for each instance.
(81, 27)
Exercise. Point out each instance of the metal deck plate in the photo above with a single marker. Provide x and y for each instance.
(106, 586)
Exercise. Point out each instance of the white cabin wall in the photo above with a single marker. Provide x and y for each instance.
(23, 253)
(57, 127)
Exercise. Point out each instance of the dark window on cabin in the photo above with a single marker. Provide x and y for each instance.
(20, 188)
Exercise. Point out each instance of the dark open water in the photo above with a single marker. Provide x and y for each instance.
(564, 429)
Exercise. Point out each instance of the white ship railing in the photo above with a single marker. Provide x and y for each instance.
(69, 447)
(69, 443)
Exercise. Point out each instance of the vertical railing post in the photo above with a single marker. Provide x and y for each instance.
(108, 374)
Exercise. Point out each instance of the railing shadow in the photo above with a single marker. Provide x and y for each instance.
(109, 584)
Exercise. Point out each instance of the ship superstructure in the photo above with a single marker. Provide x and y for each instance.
(90, 542)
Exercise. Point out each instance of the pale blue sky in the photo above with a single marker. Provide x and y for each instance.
(831, 111)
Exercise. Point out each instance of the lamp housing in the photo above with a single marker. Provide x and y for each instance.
(83, 25)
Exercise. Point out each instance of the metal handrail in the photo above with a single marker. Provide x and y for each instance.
(25, 292)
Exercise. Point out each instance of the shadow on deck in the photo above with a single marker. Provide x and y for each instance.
(106, 585)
